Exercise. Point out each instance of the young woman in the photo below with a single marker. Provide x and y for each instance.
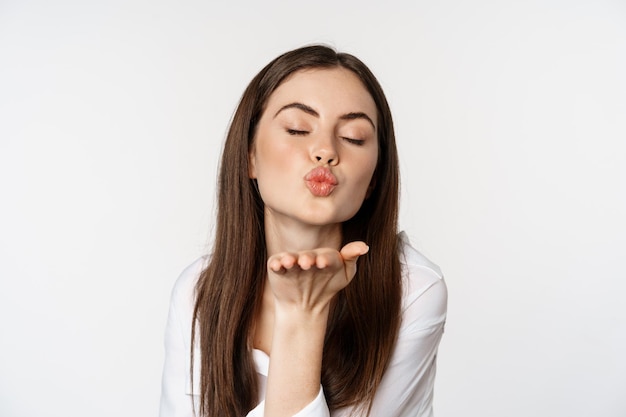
(311, 303)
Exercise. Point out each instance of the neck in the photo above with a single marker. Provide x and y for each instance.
(289, 235)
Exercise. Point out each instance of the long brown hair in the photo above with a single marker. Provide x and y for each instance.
(365, 317)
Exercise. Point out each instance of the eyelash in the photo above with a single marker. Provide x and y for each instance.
(357, 142)
(295, 132)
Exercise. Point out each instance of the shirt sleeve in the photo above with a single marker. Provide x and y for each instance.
(316, 408)
(176, 398)
(408, 384)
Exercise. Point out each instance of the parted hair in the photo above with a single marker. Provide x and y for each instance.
(364, 317)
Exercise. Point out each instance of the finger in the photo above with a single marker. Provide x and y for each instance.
(281, 263)
(328, 258)
(352, 251)
(306, 260)
(274, 264)
(350, 254)
(288, 261)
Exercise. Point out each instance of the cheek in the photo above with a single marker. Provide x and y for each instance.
(274, 163)
(368, 166)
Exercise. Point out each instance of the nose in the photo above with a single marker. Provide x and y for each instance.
(324, 152)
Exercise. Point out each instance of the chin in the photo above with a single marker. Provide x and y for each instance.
(318, 219)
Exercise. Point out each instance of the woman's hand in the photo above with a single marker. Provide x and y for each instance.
(303, 284)
(307, 281)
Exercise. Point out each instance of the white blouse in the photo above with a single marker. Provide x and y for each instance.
(407, 385)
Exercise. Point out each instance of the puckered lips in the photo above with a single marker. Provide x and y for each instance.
(320, 181)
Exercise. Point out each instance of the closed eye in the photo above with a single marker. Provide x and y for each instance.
(295, 132)
(358, 142)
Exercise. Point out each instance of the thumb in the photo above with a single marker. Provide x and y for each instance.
(350, 254)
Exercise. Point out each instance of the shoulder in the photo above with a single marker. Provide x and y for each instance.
(183, 292)
(412, 258)
(425, 295)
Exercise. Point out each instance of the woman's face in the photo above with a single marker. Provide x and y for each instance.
(316, 147)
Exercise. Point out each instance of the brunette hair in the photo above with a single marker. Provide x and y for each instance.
(364, 319)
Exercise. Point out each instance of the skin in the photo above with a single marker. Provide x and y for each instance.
(317, 117)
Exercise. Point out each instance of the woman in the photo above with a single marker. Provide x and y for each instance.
(284, 323)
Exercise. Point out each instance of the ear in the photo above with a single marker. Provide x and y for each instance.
(252, 164)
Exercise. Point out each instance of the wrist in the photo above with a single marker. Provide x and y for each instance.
(293, 316)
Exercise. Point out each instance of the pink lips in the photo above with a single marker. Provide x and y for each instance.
(320, 181)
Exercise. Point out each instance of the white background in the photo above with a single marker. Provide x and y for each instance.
(511, 124)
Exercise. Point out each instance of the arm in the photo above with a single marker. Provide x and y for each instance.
(302, 286)
(408, 384)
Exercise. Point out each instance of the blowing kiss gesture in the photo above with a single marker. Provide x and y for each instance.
(305, 282)
(302, 284)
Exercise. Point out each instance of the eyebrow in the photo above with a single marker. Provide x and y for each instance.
(312, 112)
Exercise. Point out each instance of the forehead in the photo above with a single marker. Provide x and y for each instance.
(325, 89)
